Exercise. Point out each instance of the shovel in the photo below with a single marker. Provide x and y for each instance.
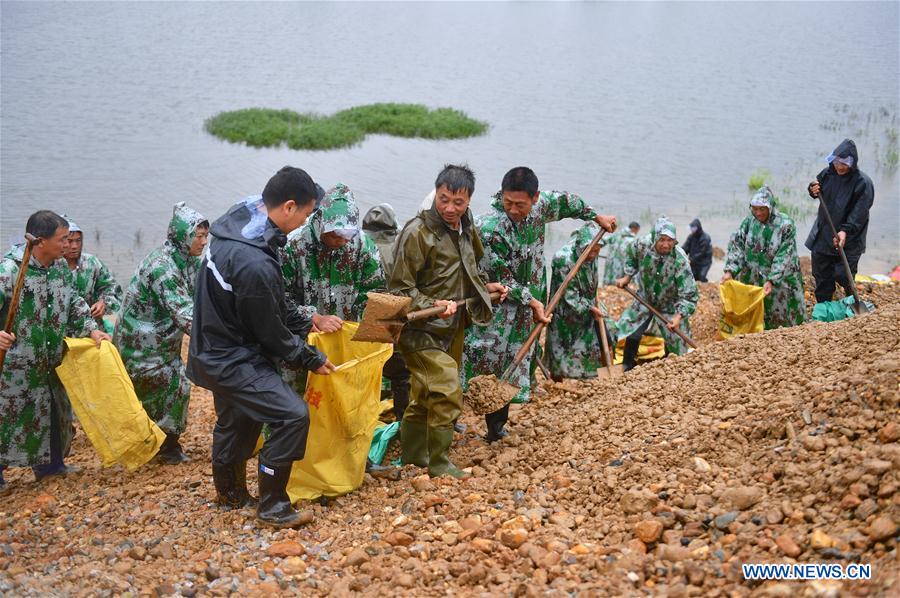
(489, 393)
(661, 317)
(385, 316)
(30, 242)
(610, 370)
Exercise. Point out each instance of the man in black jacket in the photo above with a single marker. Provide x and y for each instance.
(243, 331)
(848, 195)
(698, 247)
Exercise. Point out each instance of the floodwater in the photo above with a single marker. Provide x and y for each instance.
(641, 108)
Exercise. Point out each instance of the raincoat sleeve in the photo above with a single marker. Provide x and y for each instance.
(497, 257)
(561, 204)
(735, 258)
(782, 258)
(688, 295)
(632, 259)
(863, 198)
(371, 273)
(79, 323)
(176, 297)
(410, 258)
(293, 283)
(575, 294)
(107, 289)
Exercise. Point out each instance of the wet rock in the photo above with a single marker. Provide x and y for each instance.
(889, 433)
(357, 557)
(638, 501)
(743, 497)
(723, 521)
(648, 531)
(286, 548)
(788, 546)
(513, 538)
(820, 540)
(883, 528)
(877, 466)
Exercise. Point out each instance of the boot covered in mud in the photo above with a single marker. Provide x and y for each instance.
(171, 452)
(439, 464)
(231, 485)
(275, 508)
(413, 443)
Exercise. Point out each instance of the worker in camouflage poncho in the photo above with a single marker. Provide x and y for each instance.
(573, 342)
(763, 252)
(156, 314)
(618, 244)
(92, 278)
(665, 281)
(512, 233)
(35, 414)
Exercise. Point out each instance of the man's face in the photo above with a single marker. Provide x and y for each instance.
(201, 238)
(635, 230)
(518, 204)
(74, 245)
(451, 205)
(53, 248)
(292, 215)
(761, 213)
(664, 245)
(841, 168)
(332, 240)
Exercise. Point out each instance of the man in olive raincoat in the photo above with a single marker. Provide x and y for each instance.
(573, 342)
(436, 264)
(665, 281)
(156, 314)
(35, 414)
(512, 233)
(763, 252)
(92, 278)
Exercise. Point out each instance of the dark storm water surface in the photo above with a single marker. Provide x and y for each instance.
(642, 108)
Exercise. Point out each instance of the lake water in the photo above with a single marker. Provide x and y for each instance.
(641, 108)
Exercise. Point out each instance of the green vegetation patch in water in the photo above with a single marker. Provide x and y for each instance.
(266, 127)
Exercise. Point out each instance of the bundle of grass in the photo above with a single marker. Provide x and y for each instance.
(265, 127)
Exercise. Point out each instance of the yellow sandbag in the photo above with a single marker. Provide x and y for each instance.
(652, 347)
(343, 413)
(104, 401)
(743, 311)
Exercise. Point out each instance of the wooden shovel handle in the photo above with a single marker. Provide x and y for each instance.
(430, 312)
(30, 242)
(554, 300)
(607, 356)
(663, 318)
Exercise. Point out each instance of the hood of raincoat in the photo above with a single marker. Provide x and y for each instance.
(380, 219)
(662, 226)
(248, 222)
(844, 149)
(182, 227)
(582, 237)
(764, 198)
(337, 212)
(73, 228)
(695, 223)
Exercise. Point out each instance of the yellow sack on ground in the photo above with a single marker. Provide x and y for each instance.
(343, 413)
(104, 401)
(743, 311)
(652, 347)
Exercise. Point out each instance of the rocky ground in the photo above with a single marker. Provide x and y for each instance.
(776, 447)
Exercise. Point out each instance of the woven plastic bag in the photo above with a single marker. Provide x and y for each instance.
(103, 399)
(651, 347)
(743, 309)
(343, 414)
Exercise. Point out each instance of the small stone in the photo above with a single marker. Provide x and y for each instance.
(866, 509)
(638, 501)
(423, 483)
(513, 538)
(398, 539)
(723, 521)
(357, 557)
(138, 553)
(774, 517)
(293, 565)
(701, 466)
(877, 466)
(635, 545)
(787, 545)
(286, 548)
(820, 540)
(562, 519)
(667, 552)
(45, 503)
(850, 501)
(473, 522)
(692, 529)
(743, 497)
(482, 544)
(889, 433)
(405, 580)
(212, 573)
(883, 528)
(648, 531)
(813, 443)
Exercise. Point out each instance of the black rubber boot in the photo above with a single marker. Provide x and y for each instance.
(275, 508)
(496, 424)
(231, 485)
(629, 356)
(401, 398)
(171, 452)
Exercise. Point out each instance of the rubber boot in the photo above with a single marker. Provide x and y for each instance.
(439, 464)
(171, 452)
(413, 443)
(231, 486)
(275, 508)
(496, 424)
(400, 392)
(629, 356)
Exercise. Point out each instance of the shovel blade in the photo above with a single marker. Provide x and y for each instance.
(383, 318)
(615, 371)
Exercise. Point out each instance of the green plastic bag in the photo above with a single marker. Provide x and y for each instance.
(835, 311)
(380, 441)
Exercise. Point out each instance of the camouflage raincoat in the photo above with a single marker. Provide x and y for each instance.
(618, 243)
(573, 347)
(514, 256)
(332, 281)
(94, 280)
(30, 392)
(155, 316)
(665, 282)
(760, 252)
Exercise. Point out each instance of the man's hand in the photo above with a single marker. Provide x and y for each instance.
(496, 287)
(767, 288)
(6, 340)
(326, 368)
(537, 309)
(596, 312)
(326, 323)
(98, 309)
(623, 282)
(100, 336)
(674, 322)
(840, 239)
(814, 189)
(727, 276)
(450, 305)
(607, 223)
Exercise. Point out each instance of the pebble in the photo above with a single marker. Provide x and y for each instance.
(648, 531)
(787, 545)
